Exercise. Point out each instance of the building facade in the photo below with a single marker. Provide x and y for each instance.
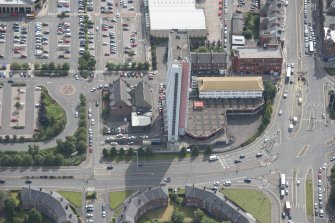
(17, 6)
(208, 63)
(178, 78)
(138, 204)
(49, 203)
(257, 61)
(230, 87)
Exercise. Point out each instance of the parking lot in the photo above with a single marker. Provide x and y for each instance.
(18, 111)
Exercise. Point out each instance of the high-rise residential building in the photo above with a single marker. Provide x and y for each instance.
(178, 82)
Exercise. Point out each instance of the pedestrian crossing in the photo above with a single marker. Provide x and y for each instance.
(101, 170)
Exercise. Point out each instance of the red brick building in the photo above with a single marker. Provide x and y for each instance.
(257, 61)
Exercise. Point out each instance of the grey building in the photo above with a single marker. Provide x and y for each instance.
(141, 97)
(140, 203)
(18, 6)
(216, 205)
(49, 203)
(237, 24)
(208, 63)
(120, 99)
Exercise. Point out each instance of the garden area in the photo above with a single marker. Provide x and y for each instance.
(51, 117)
(51, 69)
(75, 198)
(71, 151)
(14, 213)
(251, 28)
(252, 201)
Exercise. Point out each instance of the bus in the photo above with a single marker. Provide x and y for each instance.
(30, 16)
(311, 48)
(282, 181)
(288, 73)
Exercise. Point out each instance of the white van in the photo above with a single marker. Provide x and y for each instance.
(282, 193)
(213, 158)
(227, 183)
(321, 213)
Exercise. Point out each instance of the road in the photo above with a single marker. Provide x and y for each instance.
(292, 153)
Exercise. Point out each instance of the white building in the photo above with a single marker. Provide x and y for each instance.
(167, 15)
(237, 41)
(230, 87)
(18, 6)
(177, 90)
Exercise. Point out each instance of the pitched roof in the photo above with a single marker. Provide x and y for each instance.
(35, 196)
(218, 202)
(142, 96)
(133, 204)
(119, 92)
(230, 84)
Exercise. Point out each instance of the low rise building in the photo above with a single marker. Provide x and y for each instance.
(18, 6)
(237, 24)
(140, 203)
(216, 205)
(329, 43)
(50, 203)
(257, 61)
(208, 63)
(120, 99)
(230, 87)
(237, 41)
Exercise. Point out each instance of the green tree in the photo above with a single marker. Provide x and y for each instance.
(27, 160)
(122, 152)
(49, 159)
(174, 196)
(34, 216)
(182, 152)
(148, 152)
(195, 151)
(208, 150)
(33, 149)
(9, 208)
(247, 34)
(105, 113)
(130, 152)
(131, 53)
(38, 159)
(91, 63)
(59, 159)
(177, 216)
(139, 66)
(198, 215)
(146, 65)
(113, 152)
(17, 105)
(52, 67)
(206, 219)
(25, 66)
(202, 49)
(81, 146)
(270, 91)
(17, 160)
(45, 66)
(66, 66)
(140, 152)
(37, 66)
(105, 153)
(15, 66)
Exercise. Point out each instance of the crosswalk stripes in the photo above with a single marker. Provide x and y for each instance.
(101, 170)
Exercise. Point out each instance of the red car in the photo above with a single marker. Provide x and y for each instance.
(134, 45)
(13, 120)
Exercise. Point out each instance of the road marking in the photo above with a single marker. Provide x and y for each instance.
(223, 162)
(303, 151)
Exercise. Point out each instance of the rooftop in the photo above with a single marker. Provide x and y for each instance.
(142, 96)
(208, 57)
(259, 53)
(238, 40)
(181, 14)
(230, 83)
(119, 92)
(178, 46)
(329, 34)
(141, 119)
(16, 2)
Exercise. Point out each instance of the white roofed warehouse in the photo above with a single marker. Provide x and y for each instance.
(167, 15)
(230, 87)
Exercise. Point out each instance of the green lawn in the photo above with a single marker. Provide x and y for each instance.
(117, 197)
(309, 196)
(252, 201)
(75, 198)
(16, 195)
(330, 70)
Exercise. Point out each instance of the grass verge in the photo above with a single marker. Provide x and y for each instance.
(330, 70)
(252, 201)
(309, 196)
(117, 197)
(75, 198)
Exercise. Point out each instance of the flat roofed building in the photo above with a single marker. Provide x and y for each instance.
(237, 41)
(257, 61)
(166, 15)
(178, 82)
(230, 87)
(208, 63)
(17, 6)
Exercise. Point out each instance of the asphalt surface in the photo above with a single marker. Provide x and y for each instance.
(292, 153)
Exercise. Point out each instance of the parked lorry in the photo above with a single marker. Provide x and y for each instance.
(288, 206)
(146, 143)
(156, 141)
